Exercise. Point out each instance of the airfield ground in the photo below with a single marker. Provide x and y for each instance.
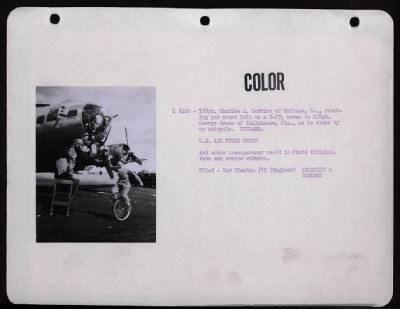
(91, 219)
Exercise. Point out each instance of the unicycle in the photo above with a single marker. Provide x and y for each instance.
(121, 210)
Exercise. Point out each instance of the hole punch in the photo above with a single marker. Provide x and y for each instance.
(54, 19)
(354, 21)
(205, 20)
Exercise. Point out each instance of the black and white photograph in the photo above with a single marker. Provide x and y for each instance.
(95, 164)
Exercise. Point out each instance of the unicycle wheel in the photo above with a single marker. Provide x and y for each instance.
(121, 210)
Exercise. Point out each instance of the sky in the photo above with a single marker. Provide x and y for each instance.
(136, 109)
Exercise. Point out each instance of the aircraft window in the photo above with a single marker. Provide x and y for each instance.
(72, 113)
(53, 113)
(40, 119)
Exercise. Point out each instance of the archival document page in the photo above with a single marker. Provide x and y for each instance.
(266, 146)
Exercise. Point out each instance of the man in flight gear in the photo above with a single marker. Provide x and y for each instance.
(125, 175)
(123, 185)
(131, 157)
(76, 157)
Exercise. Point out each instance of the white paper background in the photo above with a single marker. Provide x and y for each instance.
(220, 239)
